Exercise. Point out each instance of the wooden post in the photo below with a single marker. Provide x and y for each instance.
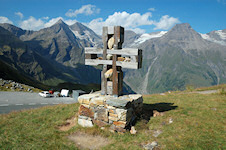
(115, 91)
(118, 38)
(103, 79)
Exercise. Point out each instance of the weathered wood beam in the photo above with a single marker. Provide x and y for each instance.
(124, 51)
(103, 79)
(115, 77)
(140, 58)
(95, 62)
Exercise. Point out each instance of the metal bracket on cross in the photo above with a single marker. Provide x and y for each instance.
(113, 58)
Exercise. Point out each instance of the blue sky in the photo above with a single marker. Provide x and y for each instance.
(138, 15)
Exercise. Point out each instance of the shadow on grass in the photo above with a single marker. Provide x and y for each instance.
(147, 111)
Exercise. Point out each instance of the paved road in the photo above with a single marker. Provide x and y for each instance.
(13, 101)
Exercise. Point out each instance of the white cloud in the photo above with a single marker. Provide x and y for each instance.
(85, 9)
(19, 14)
(96, 25)
(129, 21)
(45, 18)
(52, 22)
(151, 9)
(133, 21)
(166, 23)
(36, 24)
(32, 24)
(70, 22)
(5, 20)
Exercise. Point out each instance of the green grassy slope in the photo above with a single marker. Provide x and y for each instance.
(198, 123)
(9, 73)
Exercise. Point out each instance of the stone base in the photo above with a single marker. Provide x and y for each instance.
(102, 110)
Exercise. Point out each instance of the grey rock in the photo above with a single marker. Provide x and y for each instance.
(117, 102)
(157, 133)
(101, 114)
(121, 114)
(85, 123)
(150, 146)
(84, 117)
(214, 109)
(12, 88)
(170, 120)
(133, 130)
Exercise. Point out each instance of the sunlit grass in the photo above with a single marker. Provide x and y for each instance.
(198, 123)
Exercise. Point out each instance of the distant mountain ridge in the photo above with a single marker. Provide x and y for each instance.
(216, 36)
(61, 50)
(84, 33)
(171, 59)
(179, 58)
(16, 53)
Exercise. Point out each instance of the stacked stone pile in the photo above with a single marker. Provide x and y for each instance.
(102, 110)
(9, 84)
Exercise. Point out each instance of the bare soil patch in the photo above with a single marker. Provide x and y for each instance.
(207, 92)
(69, 124)
(87, 141)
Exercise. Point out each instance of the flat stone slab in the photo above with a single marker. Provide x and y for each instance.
(85, 123)
(117, 102)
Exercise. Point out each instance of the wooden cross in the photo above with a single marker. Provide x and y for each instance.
(113, 58)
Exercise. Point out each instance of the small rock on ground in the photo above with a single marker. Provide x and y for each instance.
(133, 130)
(170, 120)
(157, 133)
(150, 146)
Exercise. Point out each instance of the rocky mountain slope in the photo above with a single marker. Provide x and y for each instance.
(86, 34)
(179, 58)
(58, 49)
(18, 56)
(216, 36)
(171, 59)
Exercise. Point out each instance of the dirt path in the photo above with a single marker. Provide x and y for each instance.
(206, 92)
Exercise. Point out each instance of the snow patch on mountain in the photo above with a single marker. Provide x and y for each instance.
(215, 36)
(144, 37)
(219, 33)
(86, 36)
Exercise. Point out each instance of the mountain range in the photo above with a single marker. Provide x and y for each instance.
(52, 55)
(172, 59)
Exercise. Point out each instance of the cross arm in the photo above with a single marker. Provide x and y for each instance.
(124, 51)
(128, 65)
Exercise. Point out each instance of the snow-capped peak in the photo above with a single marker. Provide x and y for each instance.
(221, 34)
(83, 33)
(215, 36)
(144, 37)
